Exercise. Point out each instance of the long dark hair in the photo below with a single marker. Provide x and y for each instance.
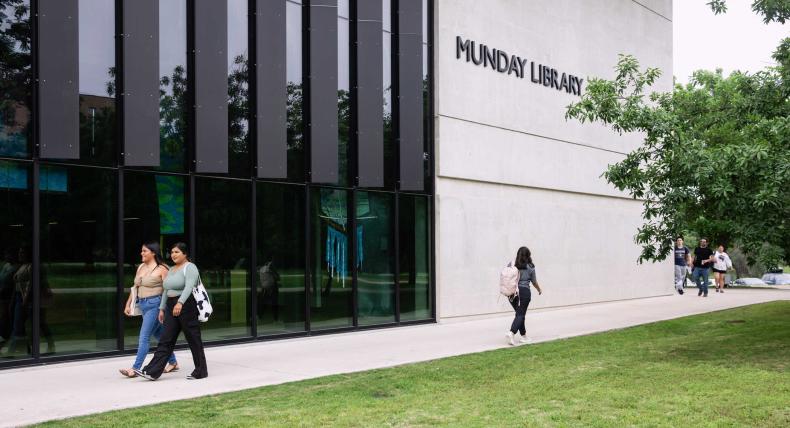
(524, 258)
(183, 248)
(154, 248)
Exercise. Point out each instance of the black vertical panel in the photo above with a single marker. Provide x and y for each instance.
(323, 91)
(271, 95)
(211, 86)
(410, 108)
(370, 114)
(58, 73)
(141, 82)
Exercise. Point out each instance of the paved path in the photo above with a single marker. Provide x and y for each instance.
(63, 390)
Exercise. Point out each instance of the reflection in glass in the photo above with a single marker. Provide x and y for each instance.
(293, 71)
(154, 211)
(281, 266)
(16, 215)
(375, 257)
(386, 7)
(222, 228)
(342, 8)
(414, 258)
(238, 89)
(389, 140)
(16, 76)
(78, 261)
(172, 84)
(331, 289)
(425, 21)
(343, 98)
(97, 81)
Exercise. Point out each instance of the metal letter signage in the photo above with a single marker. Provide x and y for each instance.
(501, 62)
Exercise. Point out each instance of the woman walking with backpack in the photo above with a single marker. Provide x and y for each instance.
(521, 300)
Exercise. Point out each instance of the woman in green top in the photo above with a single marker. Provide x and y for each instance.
(178, 312)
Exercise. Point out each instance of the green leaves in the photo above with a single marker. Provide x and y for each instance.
(771, 10)
(715, 159)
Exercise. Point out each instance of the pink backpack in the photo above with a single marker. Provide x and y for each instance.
(508, 280)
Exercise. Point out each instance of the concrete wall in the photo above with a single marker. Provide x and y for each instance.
(512, 171)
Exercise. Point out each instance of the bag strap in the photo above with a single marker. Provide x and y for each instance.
(200, 281)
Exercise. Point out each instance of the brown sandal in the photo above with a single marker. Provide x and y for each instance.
(128, 372)
(170, 369)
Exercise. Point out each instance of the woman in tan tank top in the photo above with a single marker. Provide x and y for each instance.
(148, 282)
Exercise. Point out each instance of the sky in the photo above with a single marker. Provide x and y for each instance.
(735, 40)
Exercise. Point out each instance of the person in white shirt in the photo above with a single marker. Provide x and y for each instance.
(721, 263)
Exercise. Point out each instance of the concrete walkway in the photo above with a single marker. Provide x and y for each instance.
(36, 394)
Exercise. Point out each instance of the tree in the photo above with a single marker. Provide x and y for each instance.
(715, 160)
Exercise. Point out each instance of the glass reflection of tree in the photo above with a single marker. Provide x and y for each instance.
(295, 129)
(15, 77)
(172, 118)
(238, 111)
(97, 123)
(389, 143)
(343, 131)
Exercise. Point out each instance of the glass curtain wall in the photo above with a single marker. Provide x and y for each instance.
(97, 71)
(172, 85)
(331, 289)
(277, 257)
(223, 218)
(16, 229)
(154, 212)
(294, 87)
(79, 242)
(413, 258)
(155, 204)
(16, 84)
(238, 89)
(375, 257)
(280, 270)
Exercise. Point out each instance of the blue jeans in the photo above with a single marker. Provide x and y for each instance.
(150, 327)
(701, 273)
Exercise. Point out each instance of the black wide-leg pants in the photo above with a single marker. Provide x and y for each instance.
(189, 324)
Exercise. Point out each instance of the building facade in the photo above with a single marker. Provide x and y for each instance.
(512, 171)
(288, 143)
(333, 165)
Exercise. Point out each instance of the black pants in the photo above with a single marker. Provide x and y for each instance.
(520, 304)
(189, 324)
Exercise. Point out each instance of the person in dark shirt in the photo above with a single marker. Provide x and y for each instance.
(703, 260)
(682, 261)
(521, 300)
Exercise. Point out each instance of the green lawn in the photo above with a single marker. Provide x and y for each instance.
(728, 368)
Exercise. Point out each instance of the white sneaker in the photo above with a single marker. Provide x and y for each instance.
(509, 336)
(525, 339)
